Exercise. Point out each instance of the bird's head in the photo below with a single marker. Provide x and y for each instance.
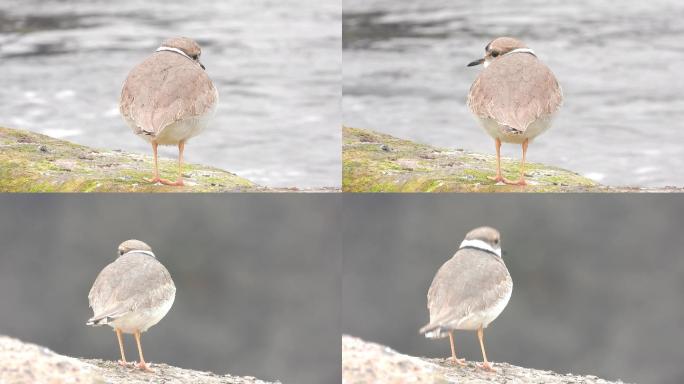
(497, 48)
(483, 238)
(185, 46)
(133, 245)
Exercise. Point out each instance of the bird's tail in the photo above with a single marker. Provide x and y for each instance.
(106, 318)
(96, 321)
(511, 131)
(434, 331)
(99, 320)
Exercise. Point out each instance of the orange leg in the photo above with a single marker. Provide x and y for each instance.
(142, 364)
(156, 178)
(179, 182)
(521, 181)
(499, 177)
(121, 347)
(485, 364)
(453, 350)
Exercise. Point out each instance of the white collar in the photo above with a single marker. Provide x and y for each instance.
(178, 51)
(521, 50)
(479, 244)
(148, 253)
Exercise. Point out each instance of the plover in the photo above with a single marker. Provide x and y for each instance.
(470, 290)
(169, 98)
(132, 294)
(514, 98)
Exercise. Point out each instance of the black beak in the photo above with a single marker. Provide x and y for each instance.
(201, 65)
(476, 62)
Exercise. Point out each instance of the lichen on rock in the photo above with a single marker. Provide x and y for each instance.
(376, 162)
(31, 162)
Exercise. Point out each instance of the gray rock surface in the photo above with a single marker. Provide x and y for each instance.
(365, 362)
(29, 363)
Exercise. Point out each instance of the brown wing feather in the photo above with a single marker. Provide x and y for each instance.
(470, 281)
(164, 88)
(131, 282)
(515, 90)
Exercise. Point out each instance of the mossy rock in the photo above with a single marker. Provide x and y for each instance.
(31, 162)
(376, 162)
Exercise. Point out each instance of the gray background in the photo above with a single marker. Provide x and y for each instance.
(597, 278)
(619, 65)
(276, 65)
(257, 276)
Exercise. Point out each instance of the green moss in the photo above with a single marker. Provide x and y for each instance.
(30, 162)
(376, 162)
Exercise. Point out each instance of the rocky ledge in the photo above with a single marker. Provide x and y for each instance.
(377, 162)
(24, 363)
(364, 362)
(31, 162)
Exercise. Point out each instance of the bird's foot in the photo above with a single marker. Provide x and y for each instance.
(143, 366)
(125, 363)
(520, 182)
(486, 366)
(497, 179)
(461, 362)
(153, 180)
(177, 183)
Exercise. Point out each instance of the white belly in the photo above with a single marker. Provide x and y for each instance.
(496, 130)
(141, 320)
(474, 320)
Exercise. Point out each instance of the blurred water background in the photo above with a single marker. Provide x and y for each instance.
(618, 63)
(597, 280)
(258, 279)
(276, 65)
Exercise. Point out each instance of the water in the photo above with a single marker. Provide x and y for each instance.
(276, 65)
(405, 74)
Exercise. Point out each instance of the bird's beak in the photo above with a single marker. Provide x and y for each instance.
(201, 65)
(476, 62)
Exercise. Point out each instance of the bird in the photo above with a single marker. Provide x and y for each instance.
(132, 294)
(514, 98)
(168, 99)
(469, 291)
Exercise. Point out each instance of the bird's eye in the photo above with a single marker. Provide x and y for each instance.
(495, 53)
(195, 57)
(496, 241)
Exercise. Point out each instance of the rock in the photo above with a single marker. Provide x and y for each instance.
(31, 162)
(364, 362)
(376, 162)
(29, 363)
(163, 373)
